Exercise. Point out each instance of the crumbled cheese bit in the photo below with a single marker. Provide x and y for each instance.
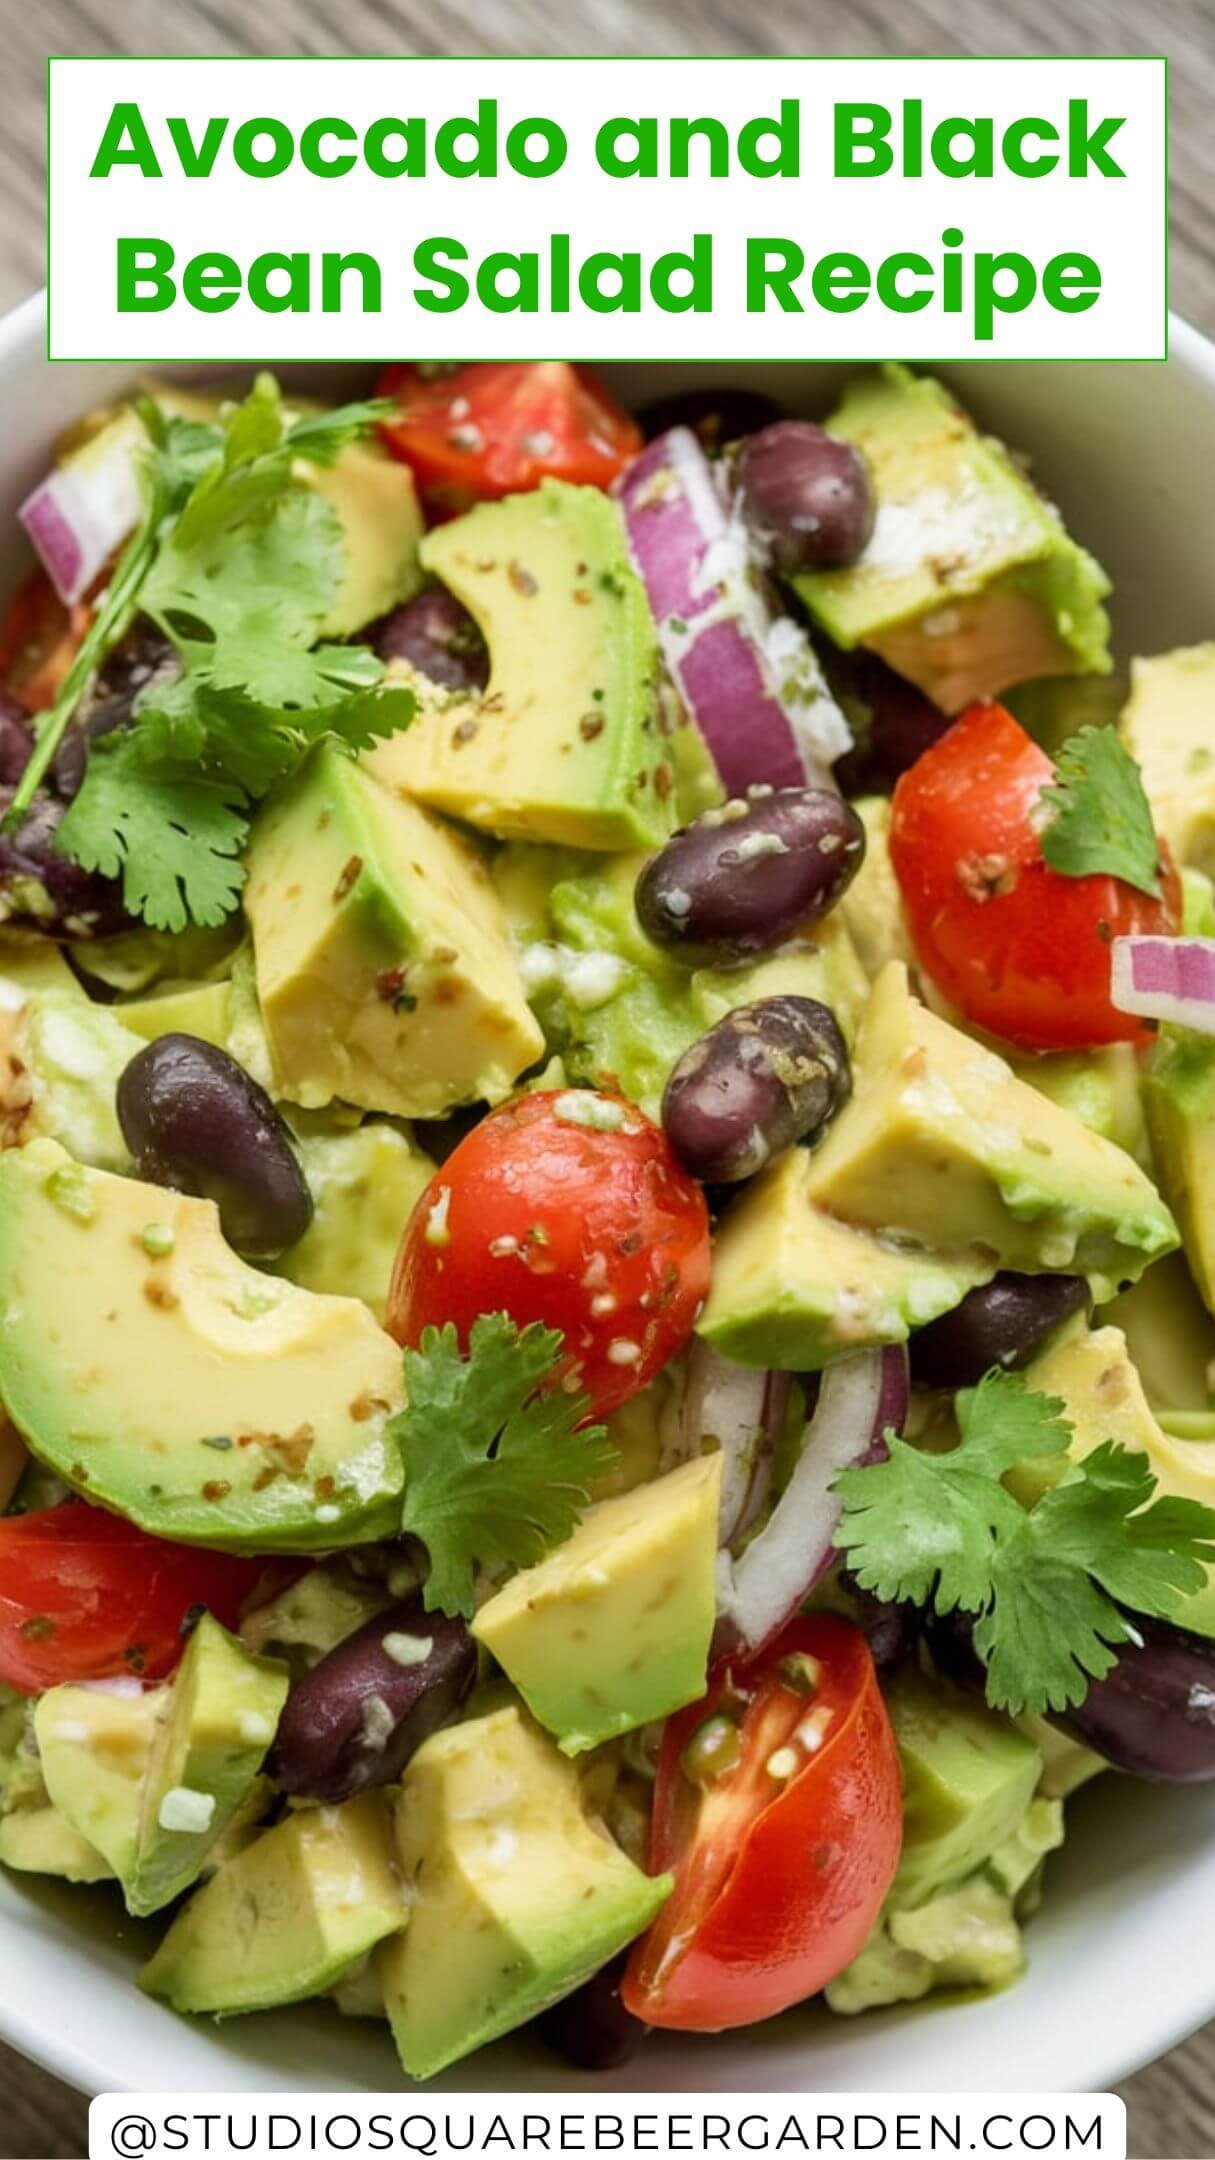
(760, 843)
(185, 1810)
(436, 1231)
(157, 1240)
(596, 1113)
(255, 1729)
(378, 1724)
(408, 1649)
(677, 902)
(592, 978)
(959, 537)
(327, 1514)
(621, 1351)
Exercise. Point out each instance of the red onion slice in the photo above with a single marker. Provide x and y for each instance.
(1165, 978)
(742, 1409)
(80, 515)
(750, 679)
(862, 1398)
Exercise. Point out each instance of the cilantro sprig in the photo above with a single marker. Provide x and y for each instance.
(238, 562)
(1100, 821)
(1045, 1583)
(498, 1465)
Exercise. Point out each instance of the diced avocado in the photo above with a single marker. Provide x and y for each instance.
(792, 1287)
(363, 1182)
(288, 1917)
(969, 581)
(134, 961)
(215, 1732)
(566, 743)
(516, 1896)
(375, 498)
(612, 1005)
(1052, 708)
(1170, 1337)
(1100, 1087)
(1179, 1096)
(181, 1387)
(1168, 729)
(33, 963)
(60, 1061)
(968, 1778)
(39, 1841)
(313, 1614)
(1090, 1371)
(872, 907)
(612, 1629)
(199, 1009)
(383, 967)
(95, 1749)
(941, 1142)
(1066, 1763)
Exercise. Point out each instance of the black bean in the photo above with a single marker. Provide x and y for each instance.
(194, 1120)
(715, 416)
(591, 2028)
(16, 740)
(746, 876)
(894, 724)
(806, 495)
(1003, 1322)
(436, 636)
(767, 1075)
(43, 890)
(891, 1627)
(1154, 1714)
(143, 653)
(362, 1712)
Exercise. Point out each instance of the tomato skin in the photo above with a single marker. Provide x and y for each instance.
(498, 428)
(39, 639)
(776, 1886)
(1020, 949)
(549, 1220)
(84, 1595)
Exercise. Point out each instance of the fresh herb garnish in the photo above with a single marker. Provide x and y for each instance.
(498, 1465)
(1042, 1581)
(238, 563)
(1101, 822)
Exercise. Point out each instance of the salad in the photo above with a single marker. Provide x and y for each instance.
(607, 1205)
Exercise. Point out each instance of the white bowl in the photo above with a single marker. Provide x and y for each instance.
(1120, 1966)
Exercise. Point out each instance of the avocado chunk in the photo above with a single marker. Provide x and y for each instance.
(182, 1388)
(872, 905)
(95, 1749)
(1090, 1371)
(793, 1288)
(214, 1734)
(943, 1144)
(35, 1838)
(1167, 727)
(364, 1182)
(616, 1009)
(1170, 1339)
(383, 967)
(969, 581)
(375, 498)
(1100, 1087)
(1179, 1096)
(288, 1917)
(968, 1778)
(60, 1061)
(612, 1629)
(566, 743)
(515, 1895)
(313, 1614)
(199, 1009)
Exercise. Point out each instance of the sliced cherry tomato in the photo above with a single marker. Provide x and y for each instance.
(783, 1857)
(39, 639)
(501, 427)
(1019, 948)
(86, 1596)
(536, 1213)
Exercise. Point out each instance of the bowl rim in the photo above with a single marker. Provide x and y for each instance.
(1171, 2010)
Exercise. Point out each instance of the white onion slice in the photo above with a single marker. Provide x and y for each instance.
(1165, 978)
(750, 679)
(742, 1409)
(80, 515)
(862, 1398)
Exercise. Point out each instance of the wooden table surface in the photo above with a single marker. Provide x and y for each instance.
(1172, 2105)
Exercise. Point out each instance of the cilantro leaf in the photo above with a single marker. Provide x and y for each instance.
(1046, 1584)
(173, 838)
(497, 1466)
(1101, 822)
(322, 437)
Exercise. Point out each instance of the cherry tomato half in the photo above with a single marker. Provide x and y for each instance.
(1019, 948)
(86, 1596)
(499, 428)
(782, 1859)
(39, 639)
(598, 1233)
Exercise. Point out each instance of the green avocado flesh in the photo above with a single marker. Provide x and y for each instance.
(192, 1394)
